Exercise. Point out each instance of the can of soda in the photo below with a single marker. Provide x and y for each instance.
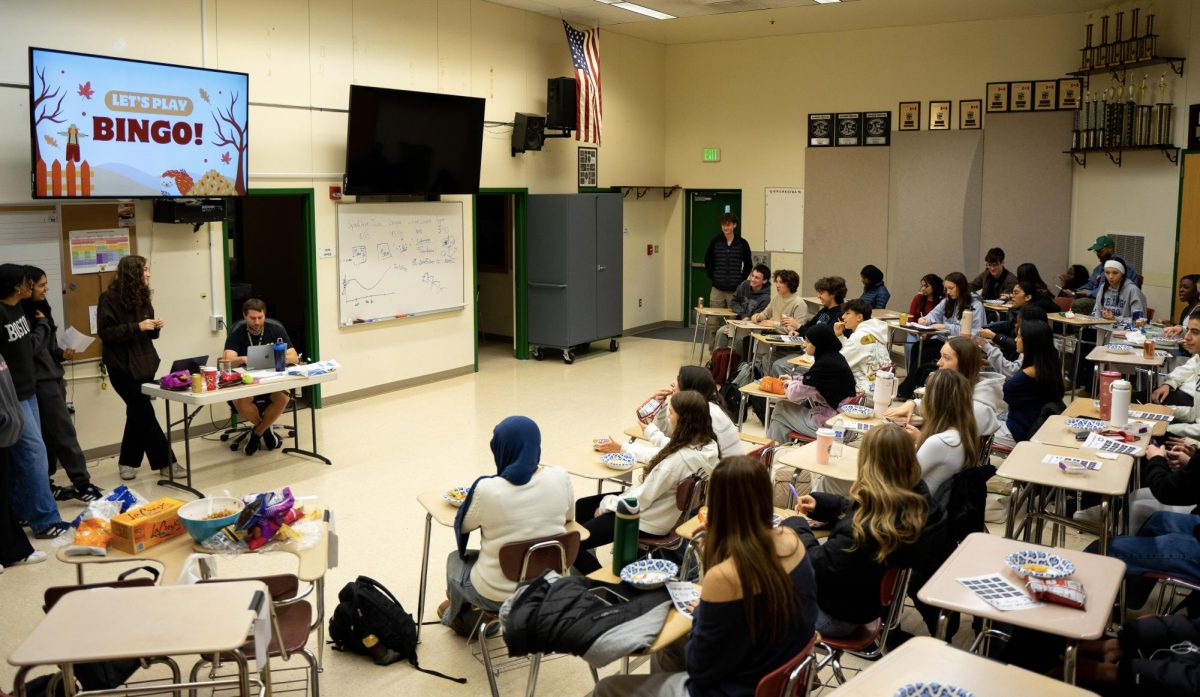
(700, 301)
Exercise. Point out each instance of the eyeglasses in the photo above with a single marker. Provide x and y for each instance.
(993, 265)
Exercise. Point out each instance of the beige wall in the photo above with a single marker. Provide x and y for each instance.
(306, 54)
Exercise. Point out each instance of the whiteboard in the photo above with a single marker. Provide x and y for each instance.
(35, 238)
(397, 260)
(784, 219)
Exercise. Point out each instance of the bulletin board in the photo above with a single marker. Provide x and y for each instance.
(82, 291)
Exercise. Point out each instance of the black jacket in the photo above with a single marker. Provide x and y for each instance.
(727, 265)
(19, 337)
(48, 355)
(848, 578)
(126, 347)
(1180, 488)
(1144, 670)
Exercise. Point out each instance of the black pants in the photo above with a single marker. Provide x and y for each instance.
(916, 378)
(143, 435)
(600, 531)
(14, 545)
(58, 432)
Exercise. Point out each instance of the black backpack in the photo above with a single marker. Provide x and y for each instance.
(366, 607)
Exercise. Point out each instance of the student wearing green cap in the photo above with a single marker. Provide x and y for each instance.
(1104, 248)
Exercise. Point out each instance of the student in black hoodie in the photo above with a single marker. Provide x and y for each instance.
(889, 519)
(31, 497)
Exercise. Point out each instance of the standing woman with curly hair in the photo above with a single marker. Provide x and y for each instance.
(128, 328)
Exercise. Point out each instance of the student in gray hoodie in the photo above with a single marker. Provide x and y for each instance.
(750, 298)
(1119, 297)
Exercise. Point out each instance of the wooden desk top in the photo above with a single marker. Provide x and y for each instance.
(1102, 355)
(687, 529)
(312, 562)
(744, 324)
(1088, 408)
(1056, 432)
(715, 311)
(776, 340)
(884, 314)
(997, 305)
(749, 440)
(925, 659)
(1025, 464)
(1078, 320)
(982, 554)
(444, 513)
(803, 360)
(104, 624)
(805, 457)
(895, 324)
(584, 461)
(751, 389)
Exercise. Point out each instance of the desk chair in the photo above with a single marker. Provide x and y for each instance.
(870, 640)
(690, 495)
(521, 562)
(240, 432)
(792, 679)
(1175, 591)
(291, 624)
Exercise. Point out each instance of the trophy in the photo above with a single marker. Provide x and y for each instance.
(1089, 123)
(1128, 114)
(1087, 51)
(1163, 112)
(1102, 135)
(1143, 117)
(1133, 47)
(1149, 39)
(1116, 51)
(1101, 59)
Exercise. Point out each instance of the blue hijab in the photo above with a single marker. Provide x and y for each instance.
(517, 450)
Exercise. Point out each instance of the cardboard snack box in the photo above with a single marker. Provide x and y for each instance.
(136, 530)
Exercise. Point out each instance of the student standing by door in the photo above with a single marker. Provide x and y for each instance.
(727, 262)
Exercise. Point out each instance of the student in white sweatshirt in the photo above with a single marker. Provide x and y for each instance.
(658, 429)
(865, 348)
(962, 355)
(948, 441)
(1181, 389)
(691, 450)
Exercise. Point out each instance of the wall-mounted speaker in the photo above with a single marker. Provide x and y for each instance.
(560, 103)
(529, 132)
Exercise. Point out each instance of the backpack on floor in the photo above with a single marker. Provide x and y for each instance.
(724, 362)
(365, 607)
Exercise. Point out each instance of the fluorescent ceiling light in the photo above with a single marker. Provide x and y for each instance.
(634, 7)
(826, 2)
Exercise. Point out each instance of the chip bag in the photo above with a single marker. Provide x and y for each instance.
(1062, 591)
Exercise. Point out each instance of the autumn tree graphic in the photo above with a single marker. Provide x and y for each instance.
(41, 104)
(235, 137)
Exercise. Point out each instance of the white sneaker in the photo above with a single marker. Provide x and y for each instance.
(1088, 515)
(128, 472)
(177, 470)
(36, 558)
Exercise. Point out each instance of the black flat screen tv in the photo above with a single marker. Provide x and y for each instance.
(104, 127)
(405, 142)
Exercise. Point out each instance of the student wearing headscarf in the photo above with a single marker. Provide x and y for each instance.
(813, 398)
(520, 502)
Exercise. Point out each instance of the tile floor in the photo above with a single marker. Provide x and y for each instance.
(386, 450)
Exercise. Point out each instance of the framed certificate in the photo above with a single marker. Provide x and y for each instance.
(849, 129)
(877, 128)
(1069, 90)
(909, 116)
(1045, 95)
(820, 130)
(997, 96)
(1020, 96)
(589, 160)
(939, 116)
(970, 114)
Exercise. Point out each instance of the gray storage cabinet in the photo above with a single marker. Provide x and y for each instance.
(574, 253)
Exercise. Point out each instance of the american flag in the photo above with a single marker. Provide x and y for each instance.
(585, 55)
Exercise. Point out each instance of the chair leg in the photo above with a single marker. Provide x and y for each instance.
(487, 658)
(192, 677)
(837, 668)
(314, 668)
(595, 674)
(535, 662)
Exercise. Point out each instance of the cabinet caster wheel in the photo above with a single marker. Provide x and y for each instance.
(537, 354)
(568, 357)
(613, 345)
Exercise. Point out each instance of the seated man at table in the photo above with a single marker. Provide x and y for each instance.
(1181, 387)
(751, 297)
(256, 330)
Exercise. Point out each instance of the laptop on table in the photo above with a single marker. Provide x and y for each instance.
(260, 357)
(192, 365)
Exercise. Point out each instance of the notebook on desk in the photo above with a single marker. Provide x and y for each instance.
(260, 357)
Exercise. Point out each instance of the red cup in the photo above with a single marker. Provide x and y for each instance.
(210, 378)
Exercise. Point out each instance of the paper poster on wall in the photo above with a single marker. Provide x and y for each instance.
(784, 219)
(93, 251)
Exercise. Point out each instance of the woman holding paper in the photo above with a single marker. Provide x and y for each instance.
(128, 328)
(58, 431)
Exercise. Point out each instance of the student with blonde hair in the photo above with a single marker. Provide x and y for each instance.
(948, 441)
(889, 519)
(757, 603)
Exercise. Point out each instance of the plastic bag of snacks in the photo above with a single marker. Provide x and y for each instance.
(91, 531)
(266, 519)
(1062, 591)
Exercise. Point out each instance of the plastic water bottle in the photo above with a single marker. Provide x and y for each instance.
(1121, 390)
(280, 351)
(885, 390)
(625, 533)
(839, 437)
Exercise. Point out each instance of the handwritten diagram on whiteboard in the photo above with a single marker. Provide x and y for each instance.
(784, 219)
(396, 260)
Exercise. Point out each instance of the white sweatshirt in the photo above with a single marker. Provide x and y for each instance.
(865, 350)
(656, 493)
(1185, 378)
(728, 437)
(941, 457)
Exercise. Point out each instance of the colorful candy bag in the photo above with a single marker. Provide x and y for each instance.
(1062, 591)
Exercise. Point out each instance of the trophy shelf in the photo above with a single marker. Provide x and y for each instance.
(640, 191)
(1118, 71)
(1079, 155)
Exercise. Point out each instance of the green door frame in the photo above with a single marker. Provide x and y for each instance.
(310, 272)
(520, 271)
(687, 241)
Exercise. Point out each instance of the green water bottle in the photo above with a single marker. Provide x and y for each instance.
(625, 533)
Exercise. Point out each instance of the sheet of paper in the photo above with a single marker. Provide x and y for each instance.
(1151, 416)
(996, 591)
(72, 338)
(92, 320)
(1055, 459)
(1095, 441)
(685, 596)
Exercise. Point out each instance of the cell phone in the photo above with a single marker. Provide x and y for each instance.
(1082, 435)
(650, 408)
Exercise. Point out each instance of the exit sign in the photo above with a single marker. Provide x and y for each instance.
(712, 154)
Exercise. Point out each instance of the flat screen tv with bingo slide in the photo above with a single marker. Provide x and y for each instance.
(405, 142)
(103, 127)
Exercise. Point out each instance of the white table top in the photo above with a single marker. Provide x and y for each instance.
(1087, 408)
(982, 554)
(102, 624)
(925, 659)
(1103, 355)
(1056, 432)
(805, 457)
(225, 394)
(1078, 320)
(1025, 464)
(584, 461)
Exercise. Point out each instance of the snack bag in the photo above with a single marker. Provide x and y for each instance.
(770, 384)
(1062, 591)
(91, 537)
